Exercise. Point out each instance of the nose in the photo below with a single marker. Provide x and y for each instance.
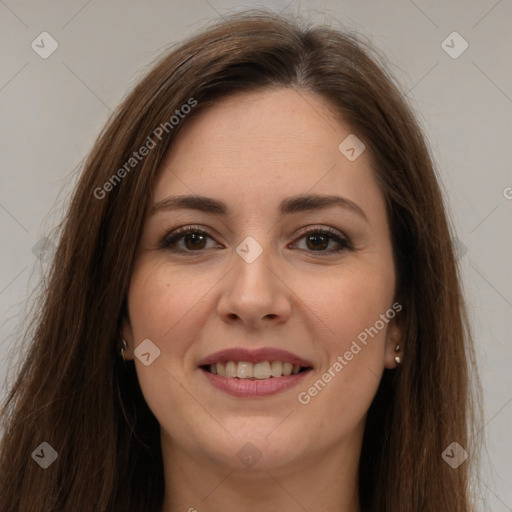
(255, 293)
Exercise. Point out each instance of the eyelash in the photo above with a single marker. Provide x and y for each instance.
(171, 239)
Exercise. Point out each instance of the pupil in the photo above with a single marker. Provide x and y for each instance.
(317, 238)
(196, 238)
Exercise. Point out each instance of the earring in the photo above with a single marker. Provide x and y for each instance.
(398, 359)
(124, 347)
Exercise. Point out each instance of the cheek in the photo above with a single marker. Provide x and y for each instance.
(160, 307)
(354, 311)
(160, 300)
(342, 391)
(347, 302)
(161, 303)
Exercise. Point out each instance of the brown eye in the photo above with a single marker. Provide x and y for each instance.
(318, 240)
(194, 241)
(186, 240)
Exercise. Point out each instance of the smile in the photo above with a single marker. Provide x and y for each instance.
(263, 372)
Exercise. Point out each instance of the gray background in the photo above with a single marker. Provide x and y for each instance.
(52, 110)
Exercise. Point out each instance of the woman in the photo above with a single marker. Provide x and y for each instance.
(254, 304)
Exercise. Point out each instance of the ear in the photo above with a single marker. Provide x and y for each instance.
(127, 335)
(394, 339)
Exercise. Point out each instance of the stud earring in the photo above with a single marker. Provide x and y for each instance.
(124, 347)
(398, 359)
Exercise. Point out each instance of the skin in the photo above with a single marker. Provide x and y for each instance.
(252, 150)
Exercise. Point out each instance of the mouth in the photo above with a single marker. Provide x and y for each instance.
(256, 371)
(244, 373)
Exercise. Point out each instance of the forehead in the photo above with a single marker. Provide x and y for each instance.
(263, 146)
(272, 125)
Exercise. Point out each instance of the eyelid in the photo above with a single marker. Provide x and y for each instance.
(338, 236)
(321, 228)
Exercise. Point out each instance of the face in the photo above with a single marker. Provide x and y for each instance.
(267, 281)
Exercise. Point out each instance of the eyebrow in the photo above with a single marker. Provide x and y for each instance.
(294, 204)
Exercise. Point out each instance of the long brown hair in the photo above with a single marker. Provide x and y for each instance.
(74, 391)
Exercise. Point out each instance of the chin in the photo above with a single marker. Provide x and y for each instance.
(257, 446)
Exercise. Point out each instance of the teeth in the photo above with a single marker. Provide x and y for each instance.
(261, 371)
(244, 370)
(231, 369)
(287, 368)
(276, 368)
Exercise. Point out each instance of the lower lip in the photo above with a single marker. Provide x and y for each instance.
(249, 388)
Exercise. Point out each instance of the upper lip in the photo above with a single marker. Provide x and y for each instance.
(254, 356)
